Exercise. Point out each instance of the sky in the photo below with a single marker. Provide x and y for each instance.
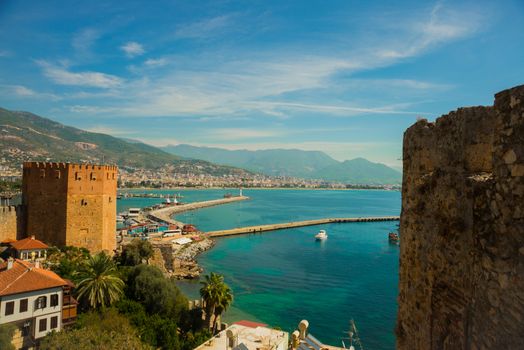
(344, 77)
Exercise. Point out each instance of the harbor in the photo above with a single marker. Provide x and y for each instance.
(163, 215)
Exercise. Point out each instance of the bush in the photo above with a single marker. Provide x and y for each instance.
(107, 330)
(135, 253)
(6, 336)
(159, 295)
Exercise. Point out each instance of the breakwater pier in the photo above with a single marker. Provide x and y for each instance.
(164, 214)
(286, 225)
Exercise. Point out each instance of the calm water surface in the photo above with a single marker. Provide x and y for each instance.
(282, 277)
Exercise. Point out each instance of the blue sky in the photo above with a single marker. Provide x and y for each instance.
(345, 77)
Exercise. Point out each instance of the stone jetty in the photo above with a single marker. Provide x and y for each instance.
(164, 214)
(281, 226)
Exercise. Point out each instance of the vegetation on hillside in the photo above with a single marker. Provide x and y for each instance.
(127, 304)
(26, 136)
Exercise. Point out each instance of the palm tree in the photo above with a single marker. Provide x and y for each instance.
(98, 283)
(217, 297)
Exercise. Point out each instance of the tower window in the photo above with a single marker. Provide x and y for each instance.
(93, 176)
(42, 173)
(57, 174)
(78, 176)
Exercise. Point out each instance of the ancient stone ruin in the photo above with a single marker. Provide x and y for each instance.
(462, 229)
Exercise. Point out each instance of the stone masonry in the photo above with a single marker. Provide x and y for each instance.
(71, 204)
(11, 223)
(462, 229)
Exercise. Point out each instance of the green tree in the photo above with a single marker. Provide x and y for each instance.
(147, 285)
(136, 252)
(67, 260)
(7, 331)
(217, 297)
(98, 284)
(106, 330)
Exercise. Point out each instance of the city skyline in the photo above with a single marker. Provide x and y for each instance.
(346, 79)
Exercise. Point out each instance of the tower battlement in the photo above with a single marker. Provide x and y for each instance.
(71, 204)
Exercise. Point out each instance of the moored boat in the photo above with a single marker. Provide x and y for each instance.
(393, 237)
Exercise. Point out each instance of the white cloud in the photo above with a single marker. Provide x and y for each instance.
(281, 83)
(205, 28)
(62, 76)
(5, 53)
(158, 62)
(23, 91)
(20, 91)
(133, 49)
(84, 40)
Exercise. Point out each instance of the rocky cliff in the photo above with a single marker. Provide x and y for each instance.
(462, 229)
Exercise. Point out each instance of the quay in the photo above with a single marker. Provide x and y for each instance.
(164, 214)
(281, 226)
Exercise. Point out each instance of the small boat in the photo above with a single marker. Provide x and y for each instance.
(393, 237)
(321, 235)
(120, 218)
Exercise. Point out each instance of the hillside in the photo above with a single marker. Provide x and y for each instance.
(297, 163)
(26, 136)
(360, 171)
(277, 162)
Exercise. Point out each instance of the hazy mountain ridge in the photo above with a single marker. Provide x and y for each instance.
(297, 163)
(26, 136)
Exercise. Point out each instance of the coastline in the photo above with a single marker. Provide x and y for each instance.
(200, 188)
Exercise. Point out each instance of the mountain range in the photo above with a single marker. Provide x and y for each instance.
(293, 162)
(25, 136)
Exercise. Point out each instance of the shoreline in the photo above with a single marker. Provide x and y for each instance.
(257, 188)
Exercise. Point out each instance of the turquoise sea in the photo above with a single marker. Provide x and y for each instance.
(282, 277)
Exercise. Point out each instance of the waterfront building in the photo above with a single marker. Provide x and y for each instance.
(35, 300)
(247, 335)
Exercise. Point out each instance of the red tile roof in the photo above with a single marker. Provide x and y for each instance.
(25, 277)
(250, 324)
(29, 243)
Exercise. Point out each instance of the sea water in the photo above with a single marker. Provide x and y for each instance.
(282, 277)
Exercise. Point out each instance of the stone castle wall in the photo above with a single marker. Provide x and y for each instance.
(462, 229)
(11, 223)
(71, 204)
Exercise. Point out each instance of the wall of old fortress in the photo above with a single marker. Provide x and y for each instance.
(71, 204)
(462, 229)
(11, 223)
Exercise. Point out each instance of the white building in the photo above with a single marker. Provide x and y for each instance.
(247, 335)
(36, 300)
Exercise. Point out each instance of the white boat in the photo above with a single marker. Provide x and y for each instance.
(120, 218)
(321, 235)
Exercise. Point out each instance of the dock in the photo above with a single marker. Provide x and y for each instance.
(286, 225)
(164, 214)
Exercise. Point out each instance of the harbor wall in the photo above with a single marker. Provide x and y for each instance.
(462, 229)
(12, 223)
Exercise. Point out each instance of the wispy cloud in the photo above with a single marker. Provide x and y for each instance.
(62, 76)
(444, 24)
(21, 91)
(279, 83)
(205, 28)
(156, 62)
(84, 40)
(132, 49)
(5, 53)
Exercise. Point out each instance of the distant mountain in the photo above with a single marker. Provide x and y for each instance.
(276, 162)
(297, 163)
(25, 136)
(360, 171)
